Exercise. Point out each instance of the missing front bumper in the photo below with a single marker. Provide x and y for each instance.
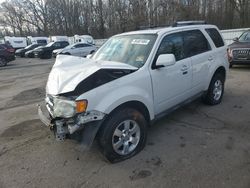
(86, 125)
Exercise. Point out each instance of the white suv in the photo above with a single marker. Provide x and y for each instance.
(132, 80)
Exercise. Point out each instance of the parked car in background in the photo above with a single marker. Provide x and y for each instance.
(21, 52)
(239, 51)
(46, 51)
(30, 53)
(37, 40)
(77, 49)
(7, 54)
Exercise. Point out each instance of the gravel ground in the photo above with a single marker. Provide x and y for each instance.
(196, 146)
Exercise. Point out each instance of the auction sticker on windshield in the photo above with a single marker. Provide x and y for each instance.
(140, 41)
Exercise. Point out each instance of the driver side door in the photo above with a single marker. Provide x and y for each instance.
(171, 84)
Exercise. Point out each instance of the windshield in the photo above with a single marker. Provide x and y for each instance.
(50, 44)
(245, 37)
(130, 49)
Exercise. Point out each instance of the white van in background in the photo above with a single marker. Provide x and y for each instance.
(16, 42)
(87, 39)
(37, 40)
(59, 38)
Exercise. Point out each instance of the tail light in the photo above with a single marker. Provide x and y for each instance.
(229, 54)
(11, 50)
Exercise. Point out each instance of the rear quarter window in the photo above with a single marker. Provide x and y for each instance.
(216, 37)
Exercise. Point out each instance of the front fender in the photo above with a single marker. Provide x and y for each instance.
(125, 94)
(113, 94)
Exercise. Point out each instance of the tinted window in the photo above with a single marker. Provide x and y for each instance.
(79, 45)
(41, 41)
(57, 44)
(64, 44)
(195, 43)
(172, 44)
(86, 45)
(216, 37)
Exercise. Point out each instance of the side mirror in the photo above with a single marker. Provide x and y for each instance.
(165, 60)
(236, 39)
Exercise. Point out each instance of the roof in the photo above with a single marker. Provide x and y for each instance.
(162, 30)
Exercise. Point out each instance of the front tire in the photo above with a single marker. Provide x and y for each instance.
(123, 135)
(215, 91)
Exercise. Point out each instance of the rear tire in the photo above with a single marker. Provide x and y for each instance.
(123, 135)
(215, 92)
(3, 62)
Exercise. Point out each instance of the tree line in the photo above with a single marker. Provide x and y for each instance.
(104, 18)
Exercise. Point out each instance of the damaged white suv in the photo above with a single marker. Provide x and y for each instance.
(132, 80)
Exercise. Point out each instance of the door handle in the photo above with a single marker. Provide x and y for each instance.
(184, 72)
(210, 59)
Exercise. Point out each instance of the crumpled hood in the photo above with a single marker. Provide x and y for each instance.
(68, 71)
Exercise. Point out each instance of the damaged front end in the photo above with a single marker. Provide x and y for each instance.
(69, 119)
(66, 110)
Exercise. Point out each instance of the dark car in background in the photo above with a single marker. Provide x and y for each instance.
(21, 52)
(46, 51)
(239, 51)
(30, 53)
(7, 54)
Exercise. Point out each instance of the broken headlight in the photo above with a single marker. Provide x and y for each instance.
(64, 108)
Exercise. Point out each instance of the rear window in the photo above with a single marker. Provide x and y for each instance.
(216, 37)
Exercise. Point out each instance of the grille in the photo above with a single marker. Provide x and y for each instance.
(241, 54)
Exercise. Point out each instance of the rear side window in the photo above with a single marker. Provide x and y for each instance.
(80, 46)
(195, 43)
(216, 37)
(86, 45)
(65, 44)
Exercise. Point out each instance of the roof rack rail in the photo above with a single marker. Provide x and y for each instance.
(186, 23)
(152, 26)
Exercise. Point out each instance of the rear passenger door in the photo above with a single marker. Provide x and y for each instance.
(198, 49)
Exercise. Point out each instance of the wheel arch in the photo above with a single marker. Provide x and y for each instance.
(137, 105)
(220, 70)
